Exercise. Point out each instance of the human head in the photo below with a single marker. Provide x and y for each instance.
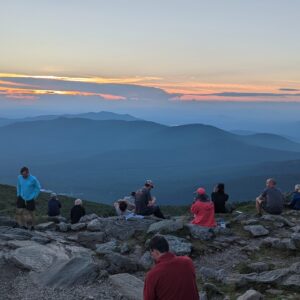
(149, 184)
(123, 206)
(53, 196)
(78, 202)
(201, 191)
(158, 246)
(220, 188)
(24, 172)
(271, 182)
(297, 187)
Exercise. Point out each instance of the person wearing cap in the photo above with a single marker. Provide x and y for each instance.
(172, 277)
(145, 203)
(295, 204)
(203, 209)
(77, 211)
(54, 206)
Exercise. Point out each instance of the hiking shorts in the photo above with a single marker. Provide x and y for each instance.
(29, 205)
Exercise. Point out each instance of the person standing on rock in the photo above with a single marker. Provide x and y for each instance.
(77, 211)
(172, 277)
(145, 203)
(28, 189)
(270, 200)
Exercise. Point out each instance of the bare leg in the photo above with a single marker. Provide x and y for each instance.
(259, 206)
(20, 217)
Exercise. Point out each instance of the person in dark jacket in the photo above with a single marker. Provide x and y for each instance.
(77, 212)
(54, 206)
(295, 204)
(172, 277)
(220, 198)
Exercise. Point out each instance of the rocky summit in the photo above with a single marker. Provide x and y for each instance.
(252, 258)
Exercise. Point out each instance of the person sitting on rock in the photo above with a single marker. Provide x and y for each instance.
(54, 206)
(145, 203)
(220, 198)
(77, 211)
(172, 277)
(203, 210)
(295, 204)
(270, 200)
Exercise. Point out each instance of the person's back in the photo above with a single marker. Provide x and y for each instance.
(273, 201)
(142, 198)
(295, 201)
(173, 277)
(204, 214)
(219, 199)
(54, 207)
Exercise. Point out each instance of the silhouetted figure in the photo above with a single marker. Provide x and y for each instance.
(220, 198)
(172, 277)
(295, 204)
(28, 189)
(54, 206)
(271, 199)
(145, 203)
(203, 210)
(77, 212)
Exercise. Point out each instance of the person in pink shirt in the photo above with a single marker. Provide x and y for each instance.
(203, 210)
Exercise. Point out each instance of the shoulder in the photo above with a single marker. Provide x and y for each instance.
(185, 260)
(153, 274)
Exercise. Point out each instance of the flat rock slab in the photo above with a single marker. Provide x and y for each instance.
(128, 286)
(201, 233)
(251, 295)
(179, 246)
(166, 226)
(257, 230)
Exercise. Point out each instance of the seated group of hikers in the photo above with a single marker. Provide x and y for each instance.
(141, 203)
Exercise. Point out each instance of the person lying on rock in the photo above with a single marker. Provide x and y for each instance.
(172, 277)
(77, 211)
(295, 204)
(220, 200)
(270, 200)
(203, 209)
(145, 204)
(54, 206)
(28, 189)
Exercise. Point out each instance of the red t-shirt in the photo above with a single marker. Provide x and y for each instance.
(204, 213)
(173, 277)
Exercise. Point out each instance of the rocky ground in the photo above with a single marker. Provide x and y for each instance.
(107, 258)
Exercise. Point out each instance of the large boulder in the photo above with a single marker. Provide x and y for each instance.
(128, 286)
(76, 271)
(46, 226)
(256, 230)
(268, 277)
(210, 273)
(146, 260)
(78, 226)
(201, 233)
(165, 226)
(64, 227)
(278, 219)
(107, 248)
(88, 218)
(292, 281)
(90, 239)
(121, 264)
(7, 233)
(251, 295)
(178, 246)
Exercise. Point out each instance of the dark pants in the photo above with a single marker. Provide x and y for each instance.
(153, 210)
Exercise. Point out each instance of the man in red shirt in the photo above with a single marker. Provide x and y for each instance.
(172, 278)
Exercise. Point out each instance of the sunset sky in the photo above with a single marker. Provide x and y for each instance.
(188, 50)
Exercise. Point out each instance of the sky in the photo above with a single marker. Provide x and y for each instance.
(73, 55)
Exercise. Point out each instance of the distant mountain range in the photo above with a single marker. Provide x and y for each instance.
(103, 160)
(99, 116)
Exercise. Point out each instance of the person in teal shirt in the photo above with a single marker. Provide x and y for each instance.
(28, 189)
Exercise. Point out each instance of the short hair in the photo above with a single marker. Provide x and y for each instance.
(221, 187)
(78, 202)
(297, 187)
(159, 243)
(272, 180)
(24, 169)
(123, 206)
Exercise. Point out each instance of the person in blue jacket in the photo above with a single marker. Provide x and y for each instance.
(28, 189)
(295, 204)
(54, 206)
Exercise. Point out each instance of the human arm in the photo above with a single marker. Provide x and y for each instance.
(18, 187)
(37, 188)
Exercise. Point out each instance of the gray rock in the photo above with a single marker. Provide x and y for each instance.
(259, 267)
(210, 273)
(78, 226)
(121, 264)
(46, 226)
(296, 239)
(95, 225)
(64, 227)
(295, 268)
(128, 286)
(276, 218)
(296, 228)
(249, 222)
(199, 232)
(106, 248)
(251, 295)
(146, 260)
(57, 219)
(88, 218)
(268, 277)
(6, 221)
(20, 243)
(212, 292)
(292, 281)
(178, 246)
(124, 248)
(90, 239)
(280, 244)
(77, 271)
(7, 233)
(41, 239)
(165, 226)
(256, 230)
